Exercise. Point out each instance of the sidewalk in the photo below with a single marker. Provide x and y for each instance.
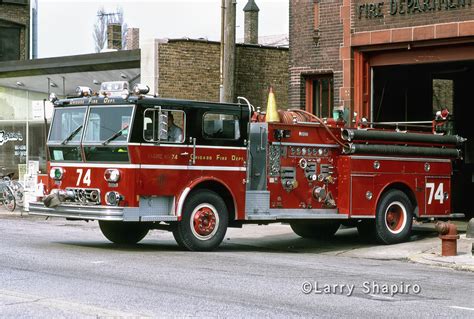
(463, 261)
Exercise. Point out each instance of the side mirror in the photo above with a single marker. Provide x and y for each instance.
(163, 126)
(155, 125)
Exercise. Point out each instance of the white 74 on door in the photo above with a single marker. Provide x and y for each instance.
(87, 177)
(438, 194)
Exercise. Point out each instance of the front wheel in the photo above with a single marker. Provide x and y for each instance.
(9, 200)
(394, 217)
(123, 232)
(204, 222)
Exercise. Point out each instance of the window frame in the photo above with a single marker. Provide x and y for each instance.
(310, 96)
(114, 142)
(159, 108)
(215, 112)
(71, 142)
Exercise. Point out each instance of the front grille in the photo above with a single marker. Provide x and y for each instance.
(84, 196)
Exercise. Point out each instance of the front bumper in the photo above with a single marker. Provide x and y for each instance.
(109, 213)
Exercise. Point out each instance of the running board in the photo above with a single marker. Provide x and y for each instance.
(288, 214)
(257, 207)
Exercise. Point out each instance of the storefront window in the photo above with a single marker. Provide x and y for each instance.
(12, 146)
(22, 131)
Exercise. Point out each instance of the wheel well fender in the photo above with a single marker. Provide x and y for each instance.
(215, 185)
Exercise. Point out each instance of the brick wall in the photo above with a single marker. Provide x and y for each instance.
(326, 45)
(259, 67)
(18, 15)
(189, 69)
(314, 51)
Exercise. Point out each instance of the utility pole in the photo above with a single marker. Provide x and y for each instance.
(221, 69)
(229, 52)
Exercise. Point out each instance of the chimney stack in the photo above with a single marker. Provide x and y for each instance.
(133, 38)
(114, 36)
(251, 22)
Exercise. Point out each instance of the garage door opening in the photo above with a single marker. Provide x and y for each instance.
(405, 93)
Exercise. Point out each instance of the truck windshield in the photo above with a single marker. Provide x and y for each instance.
(108, 124)
(67, 125)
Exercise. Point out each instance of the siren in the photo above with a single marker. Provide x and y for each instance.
(272, 111)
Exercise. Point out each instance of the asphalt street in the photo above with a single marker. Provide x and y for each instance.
(63, 269)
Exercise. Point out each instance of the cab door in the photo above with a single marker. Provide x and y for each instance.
(165, 153)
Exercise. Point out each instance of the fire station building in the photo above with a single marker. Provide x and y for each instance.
(396, 60)
(386, 61)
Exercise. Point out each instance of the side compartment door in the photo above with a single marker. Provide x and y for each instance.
(363, 199)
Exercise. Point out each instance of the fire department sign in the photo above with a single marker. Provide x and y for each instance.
(406, 7)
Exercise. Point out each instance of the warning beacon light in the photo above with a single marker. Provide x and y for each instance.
(139, 89)
(115, 89)
(83, 91)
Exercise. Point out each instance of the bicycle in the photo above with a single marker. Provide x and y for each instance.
(11, 192)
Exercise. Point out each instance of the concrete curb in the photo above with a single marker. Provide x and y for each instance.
(429, 259)
(463, 261)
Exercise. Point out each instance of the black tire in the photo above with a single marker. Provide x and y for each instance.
(204, 222)
(9, 200)
(323, 229)
(394, 218)
(123, 232)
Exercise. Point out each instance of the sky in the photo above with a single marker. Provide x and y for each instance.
(65, 26)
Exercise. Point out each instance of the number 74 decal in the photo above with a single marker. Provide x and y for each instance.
(87, 177)
(438, 194)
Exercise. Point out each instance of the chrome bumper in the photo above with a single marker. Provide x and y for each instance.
(110, 213)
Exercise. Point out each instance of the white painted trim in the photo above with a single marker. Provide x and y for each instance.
(181, 201)
(189, 146)
(151, 166)
(306, 144)
(195, 168)
(94, 165)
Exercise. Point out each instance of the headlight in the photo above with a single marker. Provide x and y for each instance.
(56, 173)
(112, 175)
(113, 198)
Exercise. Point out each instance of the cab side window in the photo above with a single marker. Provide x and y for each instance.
(220, 126)
(164, 126)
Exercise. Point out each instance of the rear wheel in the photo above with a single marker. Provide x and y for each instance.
(394, 217)
(204, 222)
(122, 232)
(324, 229)
(9, 200)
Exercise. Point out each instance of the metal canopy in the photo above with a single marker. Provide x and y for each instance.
(66, 73)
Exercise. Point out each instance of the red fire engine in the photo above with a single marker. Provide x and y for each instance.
(136, 162)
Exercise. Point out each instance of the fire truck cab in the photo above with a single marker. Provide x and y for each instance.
(135, 162)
